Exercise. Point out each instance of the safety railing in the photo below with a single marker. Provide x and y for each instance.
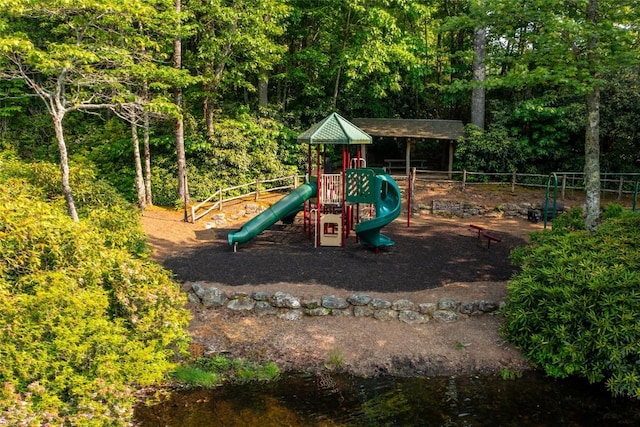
(225, 195)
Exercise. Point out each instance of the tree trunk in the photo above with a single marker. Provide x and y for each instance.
(479, 75)
(592, 161)
(147, 161)
(139, 181)
(183, 191)
(208, 103)
(207, 107)
(64, 166)
(345, 36)
(263, 89)
(592, 133)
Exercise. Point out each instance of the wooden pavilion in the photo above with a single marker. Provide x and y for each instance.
(414, 129)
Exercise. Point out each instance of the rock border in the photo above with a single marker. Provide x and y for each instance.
(453, 208)
(288, 307)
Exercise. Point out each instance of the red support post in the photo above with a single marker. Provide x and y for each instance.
(409, 191)
(319, 194)
(343, 214)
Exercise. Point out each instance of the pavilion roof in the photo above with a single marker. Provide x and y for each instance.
(412, 128)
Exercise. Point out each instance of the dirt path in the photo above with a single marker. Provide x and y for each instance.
(433, 259)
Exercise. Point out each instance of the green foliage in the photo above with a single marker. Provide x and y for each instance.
(509, 374)
(491, 151)
(82, 320)
(335, 359)
(573, 307)
(98, 203)
(363, 58)
(213, 371)
(244, 148)
(191, 376)
(573, 220)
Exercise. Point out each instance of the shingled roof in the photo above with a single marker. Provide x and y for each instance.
(412, 128)
(334, 129)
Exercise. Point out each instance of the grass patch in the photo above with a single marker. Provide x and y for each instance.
(208, 372)
(192, 376)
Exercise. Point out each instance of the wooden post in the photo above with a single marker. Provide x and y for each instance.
(620, 188)
(450, 171)
(220, 199)
(513, 182)
(464, 178)
(564, 185)
(257, 189)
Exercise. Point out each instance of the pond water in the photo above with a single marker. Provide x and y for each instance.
(337, 400)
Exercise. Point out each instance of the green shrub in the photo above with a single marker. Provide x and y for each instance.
(83, 319)
(573, 308)
(494, 150)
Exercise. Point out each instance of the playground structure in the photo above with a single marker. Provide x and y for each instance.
(354, 198)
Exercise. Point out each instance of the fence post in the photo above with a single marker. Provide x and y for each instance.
(620, 188)
(464, 178)
(257, 189)
(295, 181)
(220, 199)
(564, 185)
(513, 182)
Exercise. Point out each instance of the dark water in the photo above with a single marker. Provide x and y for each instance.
(532, 400)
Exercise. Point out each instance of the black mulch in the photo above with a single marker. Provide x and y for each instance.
(424, 256)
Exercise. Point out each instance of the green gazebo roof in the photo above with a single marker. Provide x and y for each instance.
(334, 129)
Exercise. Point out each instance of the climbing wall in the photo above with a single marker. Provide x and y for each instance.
(360, 185)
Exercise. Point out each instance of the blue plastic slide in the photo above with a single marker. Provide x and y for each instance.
(387, 204)
(284, 209)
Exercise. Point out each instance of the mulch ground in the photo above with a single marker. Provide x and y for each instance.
(431, 253)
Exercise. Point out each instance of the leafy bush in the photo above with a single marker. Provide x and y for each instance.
(573, 307)
(83, 321)
(97, 202)
(491, 151)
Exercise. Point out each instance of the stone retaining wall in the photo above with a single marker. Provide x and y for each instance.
(289, 307)
(463, 209)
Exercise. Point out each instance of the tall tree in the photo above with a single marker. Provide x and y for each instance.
(479, 70)
(236, 47)
(592, 129)
(564, 47)
(183, 189)
(70, 57)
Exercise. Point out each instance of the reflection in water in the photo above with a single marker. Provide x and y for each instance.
(332, 400)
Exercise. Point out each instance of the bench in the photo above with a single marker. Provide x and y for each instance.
(490, 238)
(483, 233)
(477, 227)
(401, 164)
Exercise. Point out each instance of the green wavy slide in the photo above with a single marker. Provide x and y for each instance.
(387, 205)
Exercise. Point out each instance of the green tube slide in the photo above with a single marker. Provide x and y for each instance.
(387, 205)
(284, 209)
